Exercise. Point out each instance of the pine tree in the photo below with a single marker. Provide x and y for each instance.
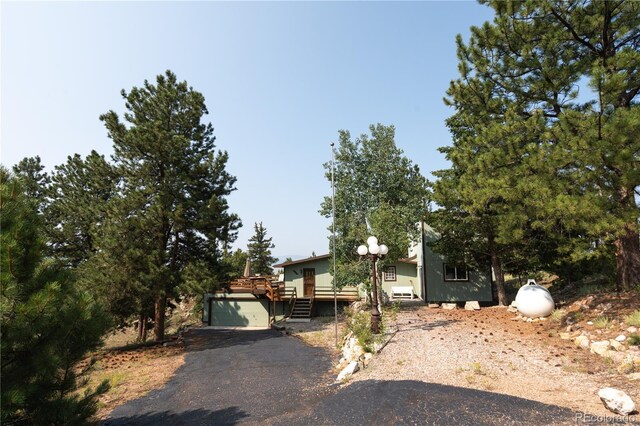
(259, 251)
(35, 181)
(560, 171)
(174, 185)
(79, 193)
(47, 324)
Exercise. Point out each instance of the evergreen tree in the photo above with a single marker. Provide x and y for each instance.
(378, 191)
(47, 324)
(174, 186)
(555, 162)
(76, 213)
(34, 180)
(259, 251)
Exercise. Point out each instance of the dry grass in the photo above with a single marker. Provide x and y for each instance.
(633, 318)
(320, 332)
(132, 373)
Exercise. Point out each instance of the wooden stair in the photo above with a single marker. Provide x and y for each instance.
(301, 310)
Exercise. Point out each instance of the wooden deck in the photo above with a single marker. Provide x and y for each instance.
(276, 291)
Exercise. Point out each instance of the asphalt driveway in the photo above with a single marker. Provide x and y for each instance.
(265, 377)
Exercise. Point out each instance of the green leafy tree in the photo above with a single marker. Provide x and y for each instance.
(47, 324)
(553, 159)
(377, 191)
(259, 251)
(174, 183)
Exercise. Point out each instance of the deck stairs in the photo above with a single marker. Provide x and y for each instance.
(301, 310)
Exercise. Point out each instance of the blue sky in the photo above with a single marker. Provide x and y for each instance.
(280, 79)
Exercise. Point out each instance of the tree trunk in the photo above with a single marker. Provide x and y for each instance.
(496, 265)
(141, 321)
(160, 308)
(627, 258)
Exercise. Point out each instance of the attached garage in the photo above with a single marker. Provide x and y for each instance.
(235, 311)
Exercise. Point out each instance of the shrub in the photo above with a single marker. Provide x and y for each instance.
(602, 322)
(557, 315)
(634, 340)
(633, 318)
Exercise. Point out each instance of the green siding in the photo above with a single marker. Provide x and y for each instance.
(438, 290)
(406, 276)
(236, 310)
(293, 275)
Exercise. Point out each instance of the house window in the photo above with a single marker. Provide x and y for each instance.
(390, 273)
(455, 273)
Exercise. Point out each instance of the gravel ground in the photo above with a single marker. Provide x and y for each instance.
(484, 350)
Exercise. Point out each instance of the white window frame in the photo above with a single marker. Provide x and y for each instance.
(457, 272)
(387, 273)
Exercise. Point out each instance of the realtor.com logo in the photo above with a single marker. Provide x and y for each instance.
(606, 419)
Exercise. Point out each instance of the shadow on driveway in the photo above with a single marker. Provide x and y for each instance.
(416, 403)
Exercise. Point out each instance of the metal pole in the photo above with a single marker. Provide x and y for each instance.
(375, 313)
(333, 229)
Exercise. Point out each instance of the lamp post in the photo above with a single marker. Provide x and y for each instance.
(374, 252)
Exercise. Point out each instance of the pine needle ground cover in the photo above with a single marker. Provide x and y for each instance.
(132, 373)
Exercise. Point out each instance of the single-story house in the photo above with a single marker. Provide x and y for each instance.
(305, 288)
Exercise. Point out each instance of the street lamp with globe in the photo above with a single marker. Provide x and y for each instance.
(374, 252)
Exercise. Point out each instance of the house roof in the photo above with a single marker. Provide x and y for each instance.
(295, 262)
(412, 260)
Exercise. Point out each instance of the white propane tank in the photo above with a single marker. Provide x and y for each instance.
(533, 300)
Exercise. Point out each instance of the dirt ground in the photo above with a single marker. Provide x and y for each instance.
(131, 373)
(488, 350)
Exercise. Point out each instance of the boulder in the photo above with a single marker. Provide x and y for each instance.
(632, 329)
(449, 306)
(434, 305)
(621, 338)
(599, 347)
(472, 306)
(633, 376)
(617, 401)
(582, 341)
(348, 371)
(616, 345)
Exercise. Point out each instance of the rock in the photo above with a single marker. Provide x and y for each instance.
(589, 322)
(632, 329)
(616, 357)
(582, 341)
(585, 307)
(565, 336)
(348, 371)
(625, 367)
(569, 329)
(472, 306)
(617, 401)
(621, 338)
(366, 358)
(542, 318)
(512, 308)
(434, 305)
(529, 320)
(449, 306)
(599, 347)
(616, 345)
(633, 376)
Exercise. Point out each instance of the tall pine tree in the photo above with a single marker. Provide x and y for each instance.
(546, 106)
(174, 185)
(259, 251)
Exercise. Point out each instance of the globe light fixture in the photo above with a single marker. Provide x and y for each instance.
(374, 252)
